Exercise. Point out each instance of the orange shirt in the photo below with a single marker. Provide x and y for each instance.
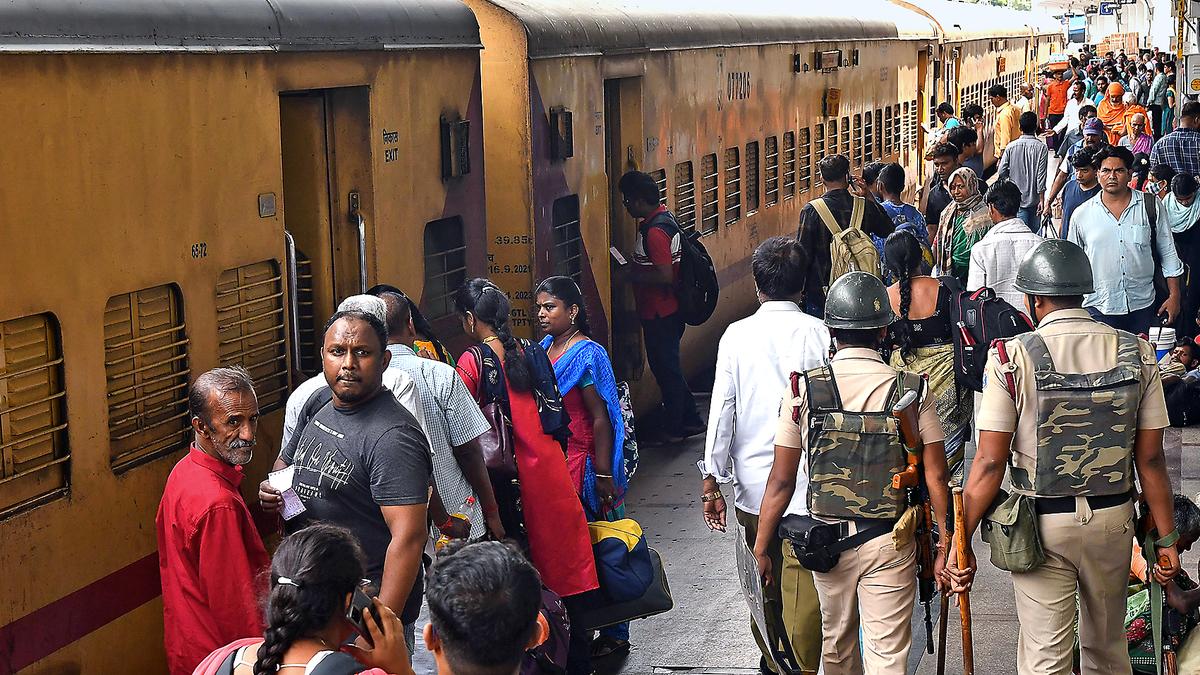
(1058, 91)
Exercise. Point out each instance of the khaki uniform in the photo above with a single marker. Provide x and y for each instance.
(1087, 550)
(873, 586)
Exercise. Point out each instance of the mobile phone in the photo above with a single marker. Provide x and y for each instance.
(620, 259)
(360, 604)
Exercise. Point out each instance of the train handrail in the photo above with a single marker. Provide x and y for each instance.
(293, 297)
(362, 251)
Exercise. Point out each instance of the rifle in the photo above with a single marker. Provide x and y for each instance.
(912, 481)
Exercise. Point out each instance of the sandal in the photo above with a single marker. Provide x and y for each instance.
(604, 646)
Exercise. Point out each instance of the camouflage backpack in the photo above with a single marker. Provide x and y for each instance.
(852, 455)
(1085, 423)
(850, 249)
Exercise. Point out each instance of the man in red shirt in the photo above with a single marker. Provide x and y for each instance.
(1058, 90)
(654, 274)
(209, 552)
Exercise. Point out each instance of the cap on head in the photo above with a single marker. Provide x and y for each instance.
(1055, 267)
(368, 304)
(1093, 127)
(858, 300)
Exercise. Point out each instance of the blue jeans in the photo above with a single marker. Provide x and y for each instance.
(1029, 214)
(1137, 322)
(662, 351)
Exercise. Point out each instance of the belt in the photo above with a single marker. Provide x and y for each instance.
(876, 526)
(1044, 505)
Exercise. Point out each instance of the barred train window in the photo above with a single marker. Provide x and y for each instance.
(733, 185)
(660, 179)
(846, 138)
(879, 151)
(912, 124)
(34, 456)
(805, 163)
(819, 152)
(888, 150)
(709, 206)
(896, 141)
(751, 177)
(771, 176)
(858, 138)
(685, 196)
(568, 241)
(831, 138)
(250, 328)
(445, 265)
(789, 164)
(868, 139)
(146, 368)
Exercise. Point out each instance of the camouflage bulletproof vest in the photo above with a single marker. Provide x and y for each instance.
(853, 455)
(1085, 425)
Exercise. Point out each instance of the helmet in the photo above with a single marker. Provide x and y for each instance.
(1055, 267)
(858, 300)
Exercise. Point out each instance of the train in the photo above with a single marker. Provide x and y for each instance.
(194, 183)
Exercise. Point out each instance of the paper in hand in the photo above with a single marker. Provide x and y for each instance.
(282, 480)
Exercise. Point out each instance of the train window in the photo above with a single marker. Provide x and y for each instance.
(879, 151)
(733, 185)
(789, 164)
(868, 139)
(568, 241)
(914, 111)
(772, 170)
(34, 456)
(751, 177)
(805, 162)
(846, 138)
(896, 128)
(819, 151)
(886, 132)
(660, 179)
(709, 206)
(146, 368)
(250, 328)
(859, 143)
(685, 196)
(831, 139)
(445, 265)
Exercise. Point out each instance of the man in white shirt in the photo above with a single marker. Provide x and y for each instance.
(994, 259)
(400, 382)
(755, 357)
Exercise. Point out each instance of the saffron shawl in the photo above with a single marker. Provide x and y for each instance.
(583, 357)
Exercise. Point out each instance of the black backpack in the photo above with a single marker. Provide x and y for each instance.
(697, 287)
(977, 319)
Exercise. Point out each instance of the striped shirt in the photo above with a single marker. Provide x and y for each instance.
(451, 418)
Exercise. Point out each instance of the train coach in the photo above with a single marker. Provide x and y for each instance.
(191, 183)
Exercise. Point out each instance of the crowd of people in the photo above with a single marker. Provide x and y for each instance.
(501, 456)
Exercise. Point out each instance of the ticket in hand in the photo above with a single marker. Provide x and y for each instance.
(282, 480)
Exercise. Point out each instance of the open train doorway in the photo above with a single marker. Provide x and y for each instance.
(623, 152)
(325, 151)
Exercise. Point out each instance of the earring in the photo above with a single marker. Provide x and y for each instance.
(572, 319)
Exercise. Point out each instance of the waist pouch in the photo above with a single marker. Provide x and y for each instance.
(1010, 527)
(818, 545)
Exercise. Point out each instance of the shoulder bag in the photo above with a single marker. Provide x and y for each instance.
(496, 443)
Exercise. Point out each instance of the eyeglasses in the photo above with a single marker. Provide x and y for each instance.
(1108, 171)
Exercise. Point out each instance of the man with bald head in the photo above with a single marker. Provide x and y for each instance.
(209, 551)
(362, 462)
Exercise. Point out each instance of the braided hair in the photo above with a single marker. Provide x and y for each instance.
(312, 572)
(490, 305)
(566, 290)
(902, 256)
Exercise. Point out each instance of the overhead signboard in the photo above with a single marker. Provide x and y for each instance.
(1109, 7)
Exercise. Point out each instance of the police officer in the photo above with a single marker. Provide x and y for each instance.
(838, 415)
(1080, 405)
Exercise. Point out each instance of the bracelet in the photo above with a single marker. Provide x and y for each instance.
(711, 496)
(1168, 540)
(604, 475)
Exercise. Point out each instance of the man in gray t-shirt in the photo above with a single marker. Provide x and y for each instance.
(362, 462)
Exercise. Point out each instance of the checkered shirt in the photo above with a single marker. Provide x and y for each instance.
(1180, 150)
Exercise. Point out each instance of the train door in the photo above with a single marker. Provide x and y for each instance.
(923, 58)
(325, 152)
(623, 152)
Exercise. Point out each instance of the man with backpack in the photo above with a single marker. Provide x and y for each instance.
(655, 273)
(994, 258)
(834, 229)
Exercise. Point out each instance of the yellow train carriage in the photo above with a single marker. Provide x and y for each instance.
(730, 107)
(979, 46)
(159, 156)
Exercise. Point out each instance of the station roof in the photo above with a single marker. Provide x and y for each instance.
(962, 21)
(595, 27)
(234, 25)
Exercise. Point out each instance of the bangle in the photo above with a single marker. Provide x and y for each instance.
(604, 475)
(711, 496)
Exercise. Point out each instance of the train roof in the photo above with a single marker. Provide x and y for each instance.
(595, 27)
(962, 21)
(234, 25)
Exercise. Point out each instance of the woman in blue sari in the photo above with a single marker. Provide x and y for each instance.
(595, 456)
